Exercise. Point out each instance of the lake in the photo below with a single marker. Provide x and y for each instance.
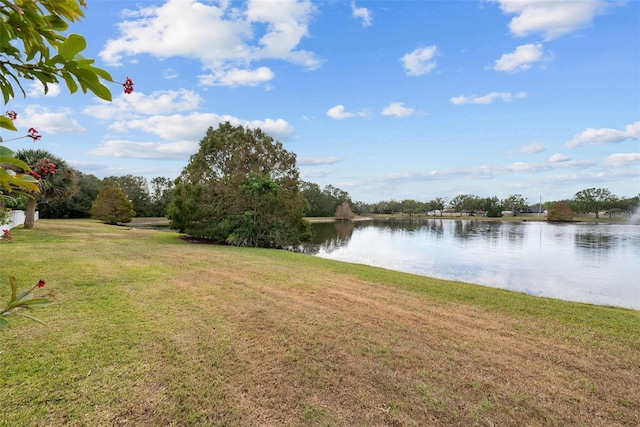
(585, 262)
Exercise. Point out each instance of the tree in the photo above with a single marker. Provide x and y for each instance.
(460, 203)
(493, 207)
(560, 212)
(343, 212)
(57, 180)
(136, 188)
(437, 204)
(410, 206)
(161, 189)
(112, 206)
(323, 202)
(592, 200)
(515, 202)
(79, 206)
(240, 188)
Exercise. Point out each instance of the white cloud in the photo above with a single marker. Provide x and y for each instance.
(558, 157)
(532, 148)
(315, 161)
(46, 120)
(604, 136)
(420, 61)
(397, 109)
(192, 127)
(36, 89)
(338, 112)
(222, 36)
(552, 19)
(487, 99)
(238, 77)
(361, 13)
(520, 59)
(146, 150)
(169, 73)
(138, 103)
(622, 159)
(526, 167)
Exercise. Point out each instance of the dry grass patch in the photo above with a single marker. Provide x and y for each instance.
(152, 331)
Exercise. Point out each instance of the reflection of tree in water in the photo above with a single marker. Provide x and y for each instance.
(467, 230)
(594, 241)
(329, 236)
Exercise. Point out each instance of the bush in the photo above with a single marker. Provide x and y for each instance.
(560, 212)
(112, 206)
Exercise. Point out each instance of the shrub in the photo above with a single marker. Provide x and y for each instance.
(560, 212)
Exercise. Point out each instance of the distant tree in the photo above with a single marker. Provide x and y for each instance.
(412, 207)
(161, 189)
(560, 212)
(137, 190)
(56, 179)
(241, 188)
(515, 203)
(493, 207)
(79, 205)
(343, 212)
(461, 203)
(593, 200)
(322, 202)
(437, 204)
(112, 206)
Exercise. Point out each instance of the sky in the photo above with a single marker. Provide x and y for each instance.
(382, 99)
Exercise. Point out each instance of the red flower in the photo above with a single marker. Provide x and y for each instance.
(128, 86)
(33, 134)
(41, 283)
(36, 175)
(12, 115)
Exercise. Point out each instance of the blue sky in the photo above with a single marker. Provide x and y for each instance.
(383, 99)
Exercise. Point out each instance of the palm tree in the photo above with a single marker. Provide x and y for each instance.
(56, 184)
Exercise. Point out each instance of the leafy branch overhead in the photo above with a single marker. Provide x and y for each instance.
(33, 46)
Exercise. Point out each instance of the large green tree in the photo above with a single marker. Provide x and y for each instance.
(241, 188)
(56, 179)
(593, 200)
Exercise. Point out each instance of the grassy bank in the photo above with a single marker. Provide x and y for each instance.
(151, 330)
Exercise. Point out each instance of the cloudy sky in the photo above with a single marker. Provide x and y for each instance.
(383, 99)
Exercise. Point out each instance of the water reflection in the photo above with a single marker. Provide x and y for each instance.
(580, 262)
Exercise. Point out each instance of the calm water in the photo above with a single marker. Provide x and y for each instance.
(593, 263)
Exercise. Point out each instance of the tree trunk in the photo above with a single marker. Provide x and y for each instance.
(30, 215)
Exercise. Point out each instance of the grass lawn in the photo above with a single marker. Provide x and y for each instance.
(150, 330)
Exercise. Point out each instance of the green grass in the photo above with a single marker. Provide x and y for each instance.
(151, 330)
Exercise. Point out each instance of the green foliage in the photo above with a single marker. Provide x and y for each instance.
(240, 188)
(593, 200)
(112, 206)
(560, 212)
(54, 186)
(21, 301)
(493, 207)
(136, 188)
(161, 190)
(35, 46)
(11, 181)
(323, 202)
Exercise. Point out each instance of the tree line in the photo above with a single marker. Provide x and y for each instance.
(70, 194)
(590, 200)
